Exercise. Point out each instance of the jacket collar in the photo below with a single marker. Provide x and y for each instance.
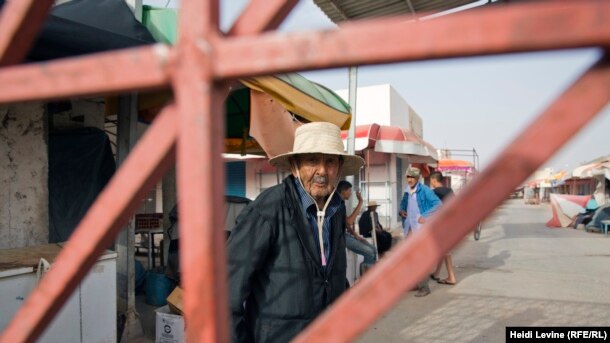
(301, 224)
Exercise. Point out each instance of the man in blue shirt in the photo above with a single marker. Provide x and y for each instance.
(418, 203)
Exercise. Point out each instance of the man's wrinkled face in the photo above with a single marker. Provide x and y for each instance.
(412, 181)
(319, 174)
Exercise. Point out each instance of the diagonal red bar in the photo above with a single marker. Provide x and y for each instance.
(262, 15)
(200, 171)
(20, 22)
(413, 259)
(531, 26)
(141, 171)
(111, 72)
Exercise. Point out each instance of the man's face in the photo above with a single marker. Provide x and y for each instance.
(434, 183)
(412, 181)
(319, 174)
(346, 193)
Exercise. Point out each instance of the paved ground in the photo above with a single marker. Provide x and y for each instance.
(519, 274)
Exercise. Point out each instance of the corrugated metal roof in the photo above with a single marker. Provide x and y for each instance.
(342, 10)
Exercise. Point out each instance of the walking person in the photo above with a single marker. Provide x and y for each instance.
(418, 203)
(369, 220)
(286, 253)
(437, 183)
(353, 241)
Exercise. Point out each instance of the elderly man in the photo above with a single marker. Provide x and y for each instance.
(286, 254)
(418, 202)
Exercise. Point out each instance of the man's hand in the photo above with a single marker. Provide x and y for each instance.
(402, 214)
(359, 196)
(421, 220)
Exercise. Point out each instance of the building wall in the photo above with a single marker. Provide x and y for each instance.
(24, 196)
(372, 104)
(383, 105)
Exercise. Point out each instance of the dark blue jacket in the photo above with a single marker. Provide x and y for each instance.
(275, 268)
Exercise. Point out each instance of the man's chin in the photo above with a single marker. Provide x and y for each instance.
(319, 194)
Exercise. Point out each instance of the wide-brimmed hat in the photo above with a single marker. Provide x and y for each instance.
(319, 138)
(372, 203)
(413, 172)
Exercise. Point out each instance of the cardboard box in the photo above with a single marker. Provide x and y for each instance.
(170, 327)
(174, 300)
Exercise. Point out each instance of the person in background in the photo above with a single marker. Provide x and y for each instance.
(286, 253)
(368, 217)
(438, 186)
(418, 203)
(353, 241)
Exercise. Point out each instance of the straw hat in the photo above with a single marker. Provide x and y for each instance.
(372, 203)
(322, 138)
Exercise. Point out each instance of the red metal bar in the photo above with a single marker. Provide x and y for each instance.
(262, 15)
(531, 26)
(142, 170)
(413, 259)
(524, 27)
(200, 172)
(19, 25)
(111, 72)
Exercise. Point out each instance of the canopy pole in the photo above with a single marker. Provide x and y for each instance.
(351, 132)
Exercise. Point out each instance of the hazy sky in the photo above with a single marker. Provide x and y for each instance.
(480, 103)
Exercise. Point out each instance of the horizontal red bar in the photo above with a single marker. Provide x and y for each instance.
(111, 72)
(532, 26)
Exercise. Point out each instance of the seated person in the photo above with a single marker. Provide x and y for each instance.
(384, 238)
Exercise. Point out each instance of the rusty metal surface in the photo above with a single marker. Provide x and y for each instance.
(111, 72)
(202, 56)
(405, 265)
(200, 173)
(141, 171)
(261, 15)
(532, 26)
(20, 22)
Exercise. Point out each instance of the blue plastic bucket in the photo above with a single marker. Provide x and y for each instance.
(158, 287)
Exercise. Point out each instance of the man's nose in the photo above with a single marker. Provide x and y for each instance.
(321, 168)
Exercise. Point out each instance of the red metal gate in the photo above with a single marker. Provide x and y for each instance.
(197, 69)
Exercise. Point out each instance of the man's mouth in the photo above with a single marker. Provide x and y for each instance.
(319, 181)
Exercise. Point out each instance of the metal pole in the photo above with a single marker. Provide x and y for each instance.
(125, 244)
(351, 133)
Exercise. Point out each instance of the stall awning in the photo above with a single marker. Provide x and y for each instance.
(455, 165)
(592, 170)
(393, 140)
